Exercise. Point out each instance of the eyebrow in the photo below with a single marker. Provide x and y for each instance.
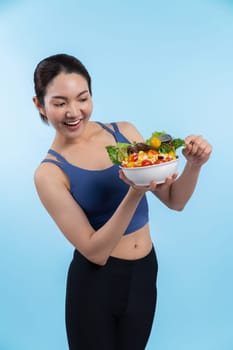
(65, 98)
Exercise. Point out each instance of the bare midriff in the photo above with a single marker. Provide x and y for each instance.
(135, 245)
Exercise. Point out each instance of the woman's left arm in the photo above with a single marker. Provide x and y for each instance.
(176, 193)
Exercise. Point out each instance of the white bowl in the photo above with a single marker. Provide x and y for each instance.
(158, 172)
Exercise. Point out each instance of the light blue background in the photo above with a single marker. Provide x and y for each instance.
(162, 65)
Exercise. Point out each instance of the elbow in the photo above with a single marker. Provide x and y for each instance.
(181, 206)
(97, 259)
(94, 254)
(177, 207)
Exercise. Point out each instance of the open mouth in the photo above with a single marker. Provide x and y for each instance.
(72, 122)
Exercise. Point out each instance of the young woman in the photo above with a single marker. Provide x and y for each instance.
(111, 285)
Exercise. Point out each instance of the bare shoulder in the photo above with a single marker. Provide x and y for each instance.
(48, 174)
(51, 186)
(40, 175)
(130, 131)
(62, 207)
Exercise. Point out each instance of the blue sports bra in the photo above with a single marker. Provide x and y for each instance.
(99, 192)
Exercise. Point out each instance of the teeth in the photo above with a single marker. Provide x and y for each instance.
(73, 122)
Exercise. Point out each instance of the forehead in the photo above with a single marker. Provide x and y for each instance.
(65, 83)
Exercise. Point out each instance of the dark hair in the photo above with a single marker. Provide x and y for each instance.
(50, 67)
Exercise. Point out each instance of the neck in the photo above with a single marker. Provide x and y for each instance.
(61, 142)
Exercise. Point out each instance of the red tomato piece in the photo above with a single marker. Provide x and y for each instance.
(152, 152)
(146, 162)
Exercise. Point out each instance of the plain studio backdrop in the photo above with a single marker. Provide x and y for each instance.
(162, 65)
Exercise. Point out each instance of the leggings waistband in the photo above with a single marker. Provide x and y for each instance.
(130, 261)
(118, 261)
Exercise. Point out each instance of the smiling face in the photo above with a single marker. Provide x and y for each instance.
(67, 104)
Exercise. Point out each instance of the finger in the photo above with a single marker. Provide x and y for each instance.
(153, 185)
(174, 176)
(189, 139)
(169, 180)
(201, 147)
(205, 152)
(208, 150)
(197, 145)
(191, 142)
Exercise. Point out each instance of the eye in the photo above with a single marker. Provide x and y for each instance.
(84, 99)
(59, 104)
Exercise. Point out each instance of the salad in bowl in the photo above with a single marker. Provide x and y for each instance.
(154, 159)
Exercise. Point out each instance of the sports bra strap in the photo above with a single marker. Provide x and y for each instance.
(61, 159)
(49, 160)
(57, 155)
(115, 127)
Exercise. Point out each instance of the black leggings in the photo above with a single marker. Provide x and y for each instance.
(110, 307)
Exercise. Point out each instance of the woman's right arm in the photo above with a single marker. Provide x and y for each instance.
(97, 245)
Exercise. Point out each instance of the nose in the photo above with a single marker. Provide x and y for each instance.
(73, 110)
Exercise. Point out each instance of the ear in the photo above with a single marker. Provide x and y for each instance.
(39, 107)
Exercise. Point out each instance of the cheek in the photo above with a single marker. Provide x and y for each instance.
(54, 116)
(89, 108)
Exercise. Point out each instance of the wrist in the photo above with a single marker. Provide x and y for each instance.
(192, 166)
(134, 193)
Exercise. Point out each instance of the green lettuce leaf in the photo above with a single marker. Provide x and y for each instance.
(178, 143)
(117, 153)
